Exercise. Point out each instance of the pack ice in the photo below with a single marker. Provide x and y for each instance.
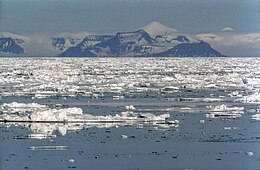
(61, 77)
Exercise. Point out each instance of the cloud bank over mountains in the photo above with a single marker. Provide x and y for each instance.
(234, 44)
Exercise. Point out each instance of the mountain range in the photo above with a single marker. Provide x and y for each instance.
(154, 40)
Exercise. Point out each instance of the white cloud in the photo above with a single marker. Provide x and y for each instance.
(231, 39)
(209, 37)
(233, 44)
(227, 29)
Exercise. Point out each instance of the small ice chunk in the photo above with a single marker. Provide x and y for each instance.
(170, 89)
(249, 153)
(256, 116)
(124, 136)
(231, 128)
(71, 160)
(202, 121)
(48, 147)
(225, 111)
(130, 107)
(39, 136)
(118, 97)
(172, 121)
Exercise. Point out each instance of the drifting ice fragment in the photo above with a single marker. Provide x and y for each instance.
(123, 136)
(226, 112)
(71, 115)
(71, 160)
(118, 97)
(249, 153)
(40, 136)
(48, 147)
(202, 121)
(256, 117)
(45, 120)
(131, 107)
(254, 98)
(172, 121)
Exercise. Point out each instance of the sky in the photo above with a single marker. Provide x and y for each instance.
(196, 17)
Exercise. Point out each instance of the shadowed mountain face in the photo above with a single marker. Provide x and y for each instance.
(8, 45)
(61, 43)
(181, 39)
(200, 49)
(140, 43)
(137, 43)
(77, 52)
(93, 40)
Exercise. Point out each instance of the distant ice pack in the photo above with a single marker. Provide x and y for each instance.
(63, 77)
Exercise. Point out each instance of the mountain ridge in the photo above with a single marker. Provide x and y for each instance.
(161, 41)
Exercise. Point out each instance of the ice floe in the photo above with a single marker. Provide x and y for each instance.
(253, 98)
(32, 112)
(43, 120)
(224, 111)
(48, 147)
(256, 117)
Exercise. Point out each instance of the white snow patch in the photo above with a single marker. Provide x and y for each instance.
(227, 29)
(156, 28)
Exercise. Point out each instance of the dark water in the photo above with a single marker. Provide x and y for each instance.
(197, 143)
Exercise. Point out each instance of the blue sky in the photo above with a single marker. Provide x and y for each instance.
(201, 18)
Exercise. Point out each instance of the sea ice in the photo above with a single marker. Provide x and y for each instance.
(31, 113)
(60, 77)
(43, 120)
(253, 98)
(224, 111)
(256, 117)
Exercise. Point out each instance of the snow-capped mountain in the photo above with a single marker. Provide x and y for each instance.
(8, 45)
(170, 40)
(182, 39)
(127, 44)
(92, 40)
(154, 39)
(19, 39)
(156, 28)
(82, 49)
(65, 40)
(196, 49)
(137, 43)
(140, 43)
(167, 36)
